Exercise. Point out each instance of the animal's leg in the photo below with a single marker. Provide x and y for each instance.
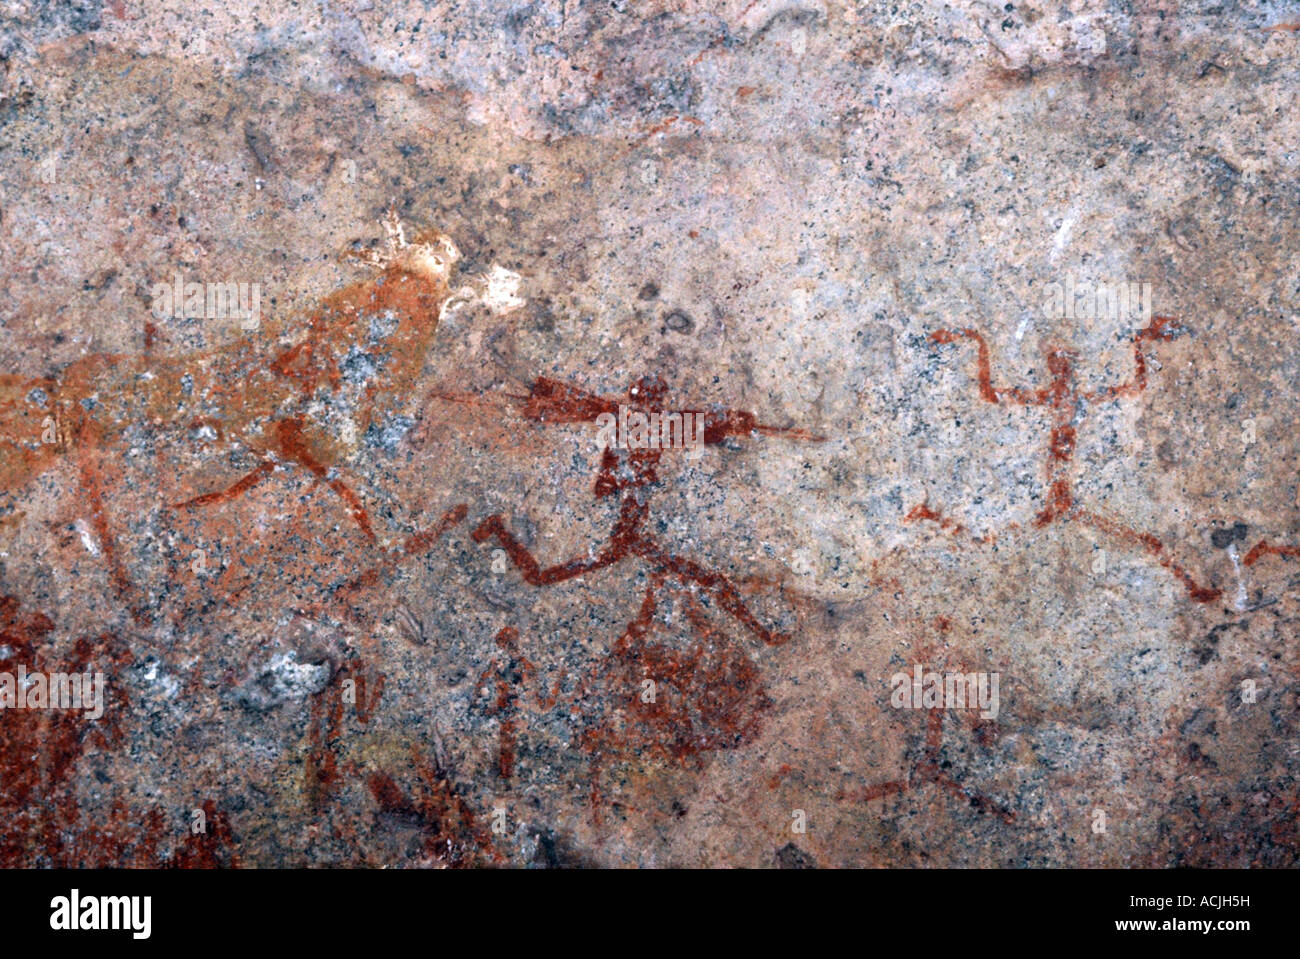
(238, 488)
(88, 442)
(1154, 548)
(533, 573)
(506, 742)
(291, 443)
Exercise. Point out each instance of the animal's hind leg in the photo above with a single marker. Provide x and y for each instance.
(291, 442)
(88, 443)
(238, 488)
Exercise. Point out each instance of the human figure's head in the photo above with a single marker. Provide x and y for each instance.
(1060, 359)
(648, 392)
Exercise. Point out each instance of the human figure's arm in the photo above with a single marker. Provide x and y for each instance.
(987, 391)
(720, 424)
(552, 401)
(1160, 328)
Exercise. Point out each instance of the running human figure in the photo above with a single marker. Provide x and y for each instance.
(631, 474)
(1067, 402)
(929, 767)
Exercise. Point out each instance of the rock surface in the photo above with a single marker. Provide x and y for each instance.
(469, 228)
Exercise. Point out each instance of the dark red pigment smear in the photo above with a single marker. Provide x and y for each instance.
(451, 834)
(42, 752)
(509, 671)
(325, 726)
(707, 697)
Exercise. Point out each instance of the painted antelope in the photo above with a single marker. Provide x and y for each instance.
(354, 362)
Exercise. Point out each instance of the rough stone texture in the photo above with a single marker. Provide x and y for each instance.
(770, 206)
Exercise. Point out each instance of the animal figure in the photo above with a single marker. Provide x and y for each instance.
(352, 365)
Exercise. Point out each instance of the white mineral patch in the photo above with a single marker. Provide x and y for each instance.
(500, 295)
